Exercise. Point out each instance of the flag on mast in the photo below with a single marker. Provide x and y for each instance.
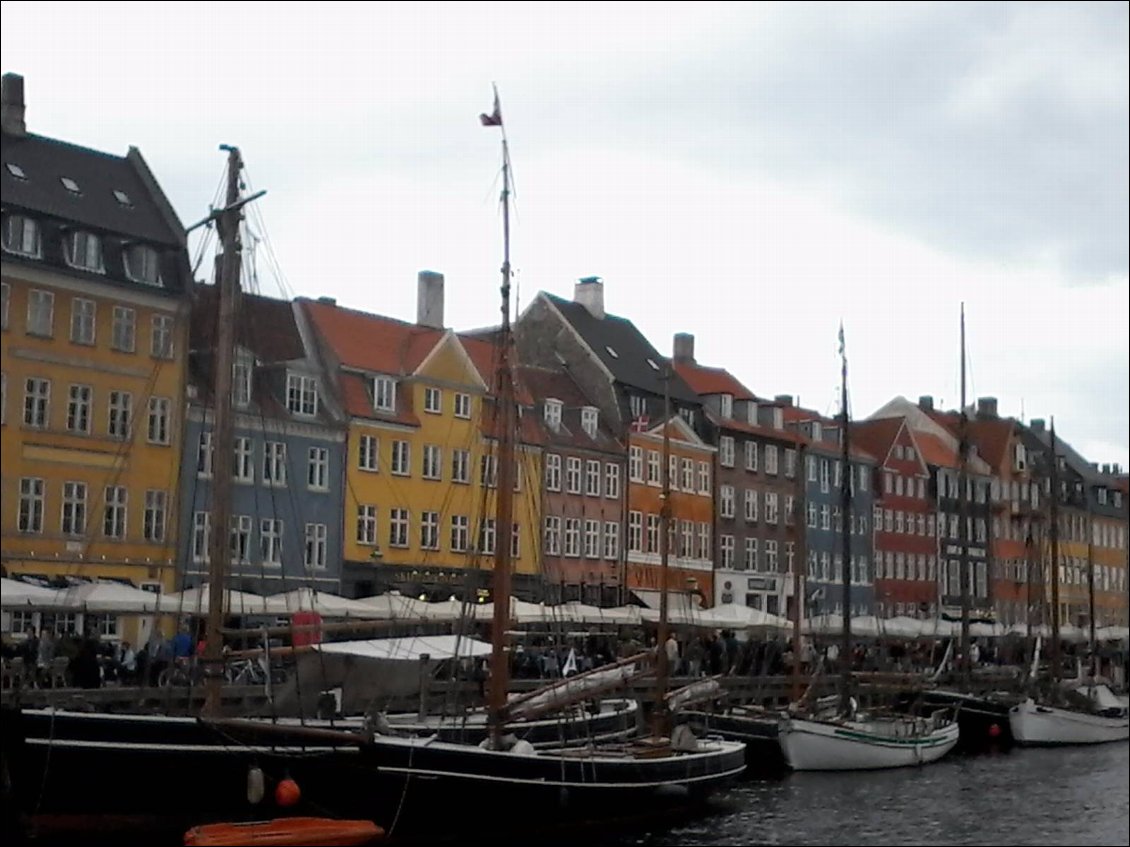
(495, 117)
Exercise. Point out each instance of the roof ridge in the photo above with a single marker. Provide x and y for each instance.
(58, 142)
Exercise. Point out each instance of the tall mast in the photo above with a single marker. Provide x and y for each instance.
(504, 512)
(1053, 530)
(663, 671)
(219, 544)
(963, 517)
(1091, 591)
(845, 531)
(800, 561)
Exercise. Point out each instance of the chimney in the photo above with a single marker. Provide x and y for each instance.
(926, 403)
(1037, 425)
(589, 292)
(12, 116)
(684, 348)
(784, 399)
(1106, 469)
(1116, 469)
(328, 301)
(429, 299)
(986, 407)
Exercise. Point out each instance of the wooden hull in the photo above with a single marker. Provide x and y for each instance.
(1036, 725)
(311, 832)
(183, 772)
(814, 745)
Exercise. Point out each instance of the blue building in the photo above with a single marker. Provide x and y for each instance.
(288, 453)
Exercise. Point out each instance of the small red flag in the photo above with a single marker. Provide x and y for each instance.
(495, 117)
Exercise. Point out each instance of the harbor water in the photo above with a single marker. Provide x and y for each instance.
(1076, 795)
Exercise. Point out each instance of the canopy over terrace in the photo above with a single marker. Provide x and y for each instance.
(410, 648)
(195, 601)
(16, 595)
(327, 605)
(97, 597)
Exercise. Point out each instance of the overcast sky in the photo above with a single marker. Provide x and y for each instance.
(751, 174)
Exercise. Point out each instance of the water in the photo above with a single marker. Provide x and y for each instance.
(1077, 795)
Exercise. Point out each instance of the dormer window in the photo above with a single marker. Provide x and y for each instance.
(778, 418)
(653, 365)
(638, 405)
(817, 431)
(70, 185)
(727, 406)
(84, 250)
(301, 395)
(122, 197)
(15, 170)
(21, 235)
(589, 418)
(751, 413)
(552, 413)
(687, 415)
(384, 394)
(143, 264)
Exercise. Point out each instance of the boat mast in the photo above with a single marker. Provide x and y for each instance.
(663, 671)
(799, 563)
(845, 532)
(963, 519)
(504, 506)
(1053, 530)
(219, 544)
(1091, 591)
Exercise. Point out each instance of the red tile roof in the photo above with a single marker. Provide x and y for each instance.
(358, 402)
(371, 342)
(877, 436)
(704, 380)
(935, 451)
(991, 438)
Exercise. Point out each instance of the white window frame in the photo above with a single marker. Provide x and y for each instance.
(462, 405)
(726, 451)
(270, 542)
(21, 236)
(40, 313)
(72, 520)
(84, 321)
(29, 518)
(160, 411)
(83, 250)
(384, 394)
(142, 264)
(161, 340)
(243, 468)
(116, 508)
(611, 540)
(80, 405)
(433, 400)
(553, 472)
(399, 523)
(318, 469)
(400, 461)
(367, 524)
(611, 480)
(368, 453)
(123, 332)
(315, 554)
(201, 536)
(119, 415)
(302, 395)
(432, 462)
(592, 478)
(155, 521)
(461, 466)
(460, 533)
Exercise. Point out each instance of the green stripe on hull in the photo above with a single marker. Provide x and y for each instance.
(895, 742)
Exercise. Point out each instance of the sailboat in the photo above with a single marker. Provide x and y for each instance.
(841, 737)
(1084, 711)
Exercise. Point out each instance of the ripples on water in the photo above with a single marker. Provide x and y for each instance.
(1077, 795)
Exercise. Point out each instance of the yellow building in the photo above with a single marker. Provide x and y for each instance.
(420, 493)
(92, 350)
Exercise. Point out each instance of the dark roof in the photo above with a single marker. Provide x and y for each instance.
(266, 326)
(45, 161)
(544, 383)
(630, 364)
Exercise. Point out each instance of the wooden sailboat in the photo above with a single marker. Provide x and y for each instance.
(843, 737)
(1084, 711)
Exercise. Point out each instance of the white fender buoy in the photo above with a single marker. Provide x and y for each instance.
(255, 789)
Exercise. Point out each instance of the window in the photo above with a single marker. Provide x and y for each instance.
(863, 474)
(460, 533)
(552, 535)
(462, 405)
(5, 300)
(751, 455)
(429, 530)
(572, 537)
(515, 541)
(240, 539)
(726, 505)
(78, 409)
(37, 395)
(688, 474)
(114, 515)
(368, 449)
(589, 418)
(635, 532)
(825, 475)
(638, 406)
(611, 480)
(143, 264)
(726, 451)
(84, 251)
(156, 503)
(726, 544)
(82, 320)
(653, 468)
(124, 335)
(366, 524)
(751, 563)
(31, 505)
(704, 551)
(275, 463)
(771, 507)
(204, 455)
(488, 471)
(790, 463)
(270, 541)
(242, 470)
(120, 412)
(812, 515)
(401, 464)
(201, 533)
(703, 478)
(592, 478)
(552, 413)
(316, 535)
(398, 528)
(688, 538)
(318, 469)
(635, 464)
(74, 508)
(461, 466)
(673, 472)
(40, 313)
(21, 234)
(592, 539)
(301, 395)
(487, 536)
(751, 505)
(433, 400)
(825, 516)
(161, 338)
(161, 410)
(384, 393)
(573, 475)
(790, 510)
(241, 368)
(653, 533)
(727, 404)
(771, 459)
(433, 461)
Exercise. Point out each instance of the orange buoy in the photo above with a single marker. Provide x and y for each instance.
(994, 730)
(287, 793)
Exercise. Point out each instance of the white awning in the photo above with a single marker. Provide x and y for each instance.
(410, 648)
(16, 594)
(677, 601)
